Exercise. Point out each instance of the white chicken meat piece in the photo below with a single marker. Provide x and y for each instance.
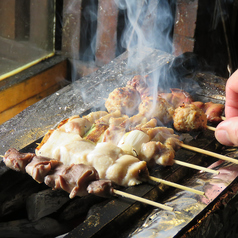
(113, 134)
(76, 125)
(127, 171)
(105, 119)
(103, 156)
(80, 125)
(68, 148)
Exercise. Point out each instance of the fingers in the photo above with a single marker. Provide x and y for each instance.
(231, 109)
(227, 132)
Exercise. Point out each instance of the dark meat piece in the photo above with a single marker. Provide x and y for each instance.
(40, 166)
(16, 160)
(212, 110)
(101, 188)
(177, 98)
(73, 179)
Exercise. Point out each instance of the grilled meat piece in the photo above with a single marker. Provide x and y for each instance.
(76, 125)
(73, 179)
(161, 147)
(96, 133)
(16, 160)
(177, 97)
(101, 188)
(68, 148)
(125, 99)
(142, 84)
(113, 134)
(212, 110)
(157, 108)
(103, 156)
(189, 117)
(105, 119)
(155, 152)
(131, 122)
(80, 125)
(40, 166)
(127, 171)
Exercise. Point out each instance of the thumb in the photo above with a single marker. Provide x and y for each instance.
(227, 132)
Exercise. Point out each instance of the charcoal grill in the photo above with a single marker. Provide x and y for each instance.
(121, 217)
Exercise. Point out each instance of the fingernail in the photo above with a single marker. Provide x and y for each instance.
(223, 137)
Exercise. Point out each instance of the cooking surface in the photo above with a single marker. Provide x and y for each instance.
(88, 94)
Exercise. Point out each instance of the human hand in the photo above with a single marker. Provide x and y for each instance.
(227, 131)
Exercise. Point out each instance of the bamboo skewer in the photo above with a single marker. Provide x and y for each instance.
(211, 128)
(143, 200)
(197, 167)
(158, 180)
(223, 118)
(212, 154)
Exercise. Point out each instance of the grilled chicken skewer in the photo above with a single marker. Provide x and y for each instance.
(76, 179)
(111, 161)
(113, 129)
(145, 87)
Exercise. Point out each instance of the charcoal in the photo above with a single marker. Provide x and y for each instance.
(12, 198)
(45, 227)
(44, 203)
(78, 206)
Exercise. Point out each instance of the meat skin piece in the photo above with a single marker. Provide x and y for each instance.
(40, 166)
(17, 160)
(101, 188)
(212, 110)
(73, 179)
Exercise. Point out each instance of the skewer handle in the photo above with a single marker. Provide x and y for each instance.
(143, 200)
(176, 185)
(223, 118)
(211, 128)
(212, 154)
(193, 166)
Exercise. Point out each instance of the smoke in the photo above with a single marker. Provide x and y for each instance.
(148, 24)
(88, 31)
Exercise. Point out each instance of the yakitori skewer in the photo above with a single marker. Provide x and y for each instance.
(101, 157)
(76, 179)
(158, 180)
(211, 128)
(209, 153)
(197, 167)
(143, 200)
